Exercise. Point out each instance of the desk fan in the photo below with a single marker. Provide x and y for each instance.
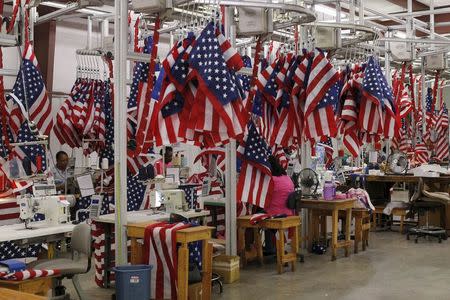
(308, 182)
(397, 163)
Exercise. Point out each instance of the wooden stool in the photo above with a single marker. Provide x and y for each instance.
(397, 212)
(256, 252)
(36, 286)
(281, 224)
(362, 228)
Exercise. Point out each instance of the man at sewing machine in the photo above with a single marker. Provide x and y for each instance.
(60, 171)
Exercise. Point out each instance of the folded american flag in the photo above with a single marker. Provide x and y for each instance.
(160, 250)
(28, 274)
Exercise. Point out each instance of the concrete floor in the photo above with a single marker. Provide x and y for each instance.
(392, 268)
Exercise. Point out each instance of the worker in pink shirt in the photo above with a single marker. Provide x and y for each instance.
(282, 187)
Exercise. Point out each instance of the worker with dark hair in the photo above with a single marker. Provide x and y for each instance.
(168, 156)
(60, 170)
(282, 187)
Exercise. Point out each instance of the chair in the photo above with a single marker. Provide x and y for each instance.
(423, 202)
(79, 263)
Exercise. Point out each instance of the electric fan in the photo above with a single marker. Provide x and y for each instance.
(309, 182)
(397, 163)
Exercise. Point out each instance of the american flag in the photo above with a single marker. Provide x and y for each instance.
(207, 155)
(9, 250)
(9, 211)
(28, 274)
(373, 103)
(136, 193)
(219, 109)
(321, 120)
(255, 183)
(349, 117)
(279, 153)
(140, 75)
(327, 144)
(421, 154)
(160, 250)
(442, 125)
(406, 104)
(30, 152)
(64, 130)
(30, 90)
(405, 137)
(145, 105)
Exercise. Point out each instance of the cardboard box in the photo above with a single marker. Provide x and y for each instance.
(227, 267)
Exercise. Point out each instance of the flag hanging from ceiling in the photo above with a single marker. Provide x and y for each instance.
(30, 96)
(255, 183)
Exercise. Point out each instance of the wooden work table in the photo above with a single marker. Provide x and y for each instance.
(315, 209)
(136, 231)
(441, 183)
(8, 294)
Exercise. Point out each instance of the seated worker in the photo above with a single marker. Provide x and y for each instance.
(282, 187)
(168, 156)
(59, 171)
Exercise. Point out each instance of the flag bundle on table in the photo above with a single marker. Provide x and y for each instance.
(29, 92)
(160, 249)
(28, 274)
(255, 183)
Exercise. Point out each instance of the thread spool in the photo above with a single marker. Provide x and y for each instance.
(105, 164)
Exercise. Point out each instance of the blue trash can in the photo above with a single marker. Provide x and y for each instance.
(133, 282)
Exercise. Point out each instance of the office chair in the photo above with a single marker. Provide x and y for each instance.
(423, 202)
(79, 263)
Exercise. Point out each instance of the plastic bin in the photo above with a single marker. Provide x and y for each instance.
(133, 282)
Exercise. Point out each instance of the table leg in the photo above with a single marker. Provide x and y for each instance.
(51, 250)
(310, 229)
(135, 252)
(241, 246)
(214, 220)
(206, 268)
(107, 270)
(323, 226)
(258, 245)
(334, 233)
(294, 245)
(280, 250)
(348, 226)
(183, 271)
(358, 232)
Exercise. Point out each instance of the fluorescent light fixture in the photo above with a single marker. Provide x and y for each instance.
(400, 34)
(82, 10)
(328, 10)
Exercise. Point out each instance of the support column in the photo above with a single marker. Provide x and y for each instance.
(44, 48)
(120, 129)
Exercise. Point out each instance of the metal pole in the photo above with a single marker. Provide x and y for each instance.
(424, 95)
(387, 74)
(432, 23)
(120, 138)
(231, 175)
(89, 33)
(361, 12)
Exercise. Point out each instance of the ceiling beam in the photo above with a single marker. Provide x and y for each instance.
(404, 3)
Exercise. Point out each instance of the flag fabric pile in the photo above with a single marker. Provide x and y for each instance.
(28, 274)
(160, 249)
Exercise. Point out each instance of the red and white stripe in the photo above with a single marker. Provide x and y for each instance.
(322, 77)
(28, 274)
(160, 250)
(9, 211)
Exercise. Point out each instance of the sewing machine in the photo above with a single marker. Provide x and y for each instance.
(55, 208)
(174, 200)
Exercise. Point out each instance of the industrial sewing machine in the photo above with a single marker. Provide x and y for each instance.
(174, 200)
(55, 208)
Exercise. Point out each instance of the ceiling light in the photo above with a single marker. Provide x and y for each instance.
(400, 34)
(328, 10)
